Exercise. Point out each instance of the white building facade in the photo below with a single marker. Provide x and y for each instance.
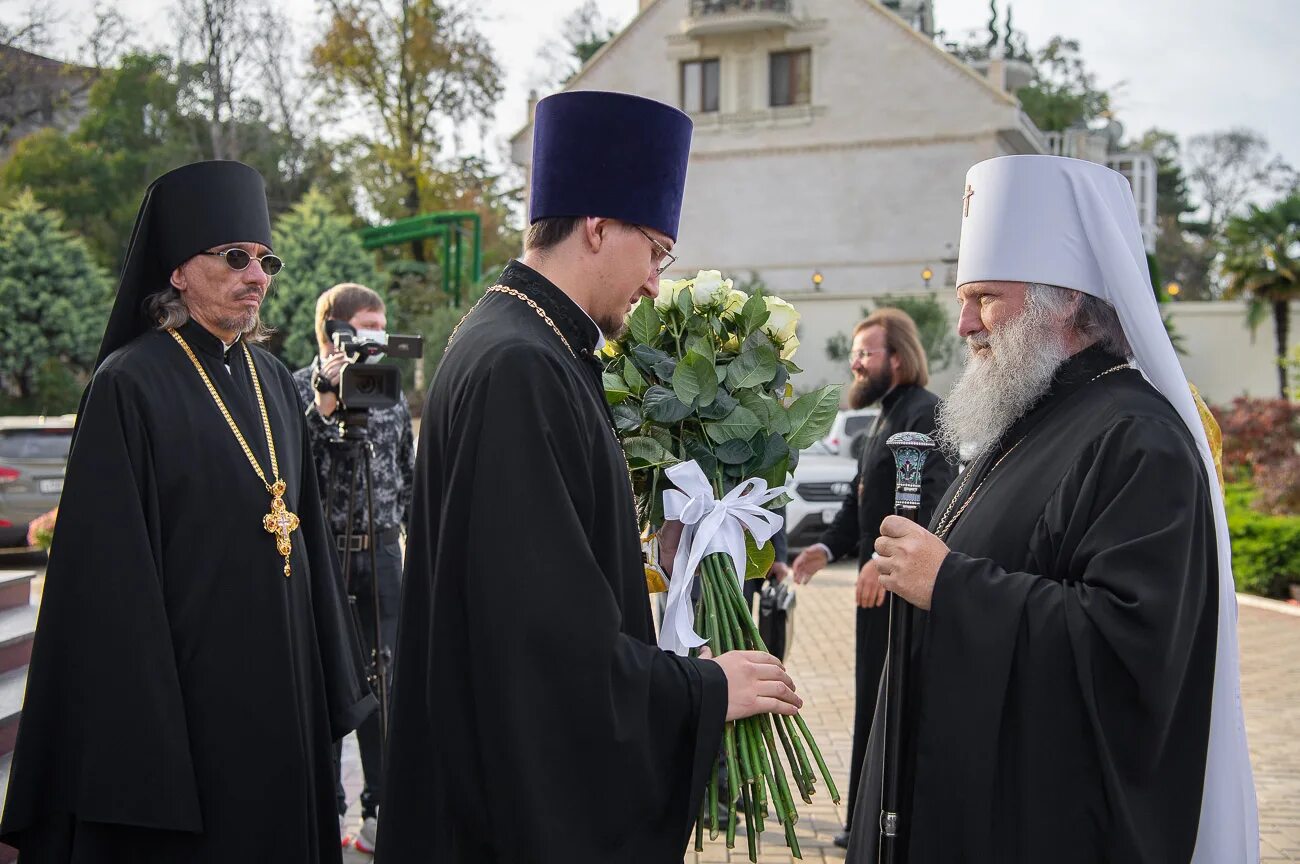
(832, 138)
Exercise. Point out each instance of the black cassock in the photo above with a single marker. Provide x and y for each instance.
(534, 720)
(1063, 676)
(183, 694)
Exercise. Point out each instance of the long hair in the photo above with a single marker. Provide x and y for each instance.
(1094, 318)
(903, 340)
(167, 308)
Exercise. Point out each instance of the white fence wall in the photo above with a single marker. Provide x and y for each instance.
(1222, 360)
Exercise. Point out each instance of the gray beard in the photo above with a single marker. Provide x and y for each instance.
(997, 388)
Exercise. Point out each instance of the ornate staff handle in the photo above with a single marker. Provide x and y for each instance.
(910, 452)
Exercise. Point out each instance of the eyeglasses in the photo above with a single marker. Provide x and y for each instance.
(666, 259)
(238, 259)
(865, 355)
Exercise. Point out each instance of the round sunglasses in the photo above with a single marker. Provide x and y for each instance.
(238, 259)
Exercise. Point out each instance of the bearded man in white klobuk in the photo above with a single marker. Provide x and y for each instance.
(1074, 691)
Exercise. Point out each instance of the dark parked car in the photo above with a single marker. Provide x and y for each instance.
(33, 457)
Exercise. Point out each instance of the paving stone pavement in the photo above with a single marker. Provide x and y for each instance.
(821, 662)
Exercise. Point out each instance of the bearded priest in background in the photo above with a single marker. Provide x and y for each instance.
(1074, 691)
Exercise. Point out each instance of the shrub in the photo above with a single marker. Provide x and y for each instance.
(1265, 548)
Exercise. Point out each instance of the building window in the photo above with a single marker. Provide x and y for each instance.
(700, 86)
(791, 77)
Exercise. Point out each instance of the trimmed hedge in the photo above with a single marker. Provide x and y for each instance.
(1265, 549)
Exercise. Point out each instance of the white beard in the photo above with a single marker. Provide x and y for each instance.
(998, 386)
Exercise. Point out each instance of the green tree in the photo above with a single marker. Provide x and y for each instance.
(418, 69)
(1064, 92)
(95, 175)
(320, 249)
(1182, 250)
(1262, 266)
(54, 295)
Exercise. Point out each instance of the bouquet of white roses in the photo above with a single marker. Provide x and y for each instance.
(699, 387)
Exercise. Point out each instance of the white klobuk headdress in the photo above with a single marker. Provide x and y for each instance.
(1074, 224)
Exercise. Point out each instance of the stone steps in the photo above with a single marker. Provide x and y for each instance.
(17, 629)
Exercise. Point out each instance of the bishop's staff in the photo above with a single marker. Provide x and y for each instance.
(910, 451)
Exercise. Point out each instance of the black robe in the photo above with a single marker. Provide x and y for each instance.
(533, 719)
(183, 694)
(1062, 679)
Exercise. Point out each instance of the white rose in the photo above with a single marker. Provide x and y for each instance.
(668, 291)
(709, 287)
(782, 319)
(734, 301)
(791, 345)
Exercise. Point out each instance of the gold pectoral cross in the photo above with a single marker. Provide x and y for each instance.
(281, 523)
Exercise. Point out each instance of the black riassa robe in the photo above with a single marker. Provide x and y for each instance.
(534, 720)
(1064, 674)
(183, 695)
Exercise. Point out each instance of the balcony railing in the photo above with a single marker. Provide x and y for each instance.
(712, 17)
(724, 7)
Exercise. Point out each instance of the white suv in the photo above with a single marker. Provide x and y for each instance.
(817, 490)
(848, 426)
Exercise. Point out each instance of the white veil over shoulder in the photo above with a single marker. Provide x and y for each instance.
(1074, 224)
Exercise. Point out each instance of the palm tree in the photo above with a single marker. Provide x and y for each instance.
(1262, 266)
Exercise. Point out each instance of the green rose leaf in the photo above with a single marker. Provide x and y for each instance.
(722, 405)
(758, 561)
(768, 450)
(754, 367)
(632, 376)
(694, 381)
(663, 436)
(790, 367)
(626, 417)
(643, 452)
(685, 303)
(702, 345)
(662, 406)
(616, 390)
(779, 380)
(740, 423)
(647, 358)
(735, 452)
(665, 368)
(644, 323)
(700, 453)
(753, 314)
(721, 372)
(811, 416)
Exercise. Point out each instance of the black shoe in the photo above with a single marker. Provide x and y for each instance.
(842, 840)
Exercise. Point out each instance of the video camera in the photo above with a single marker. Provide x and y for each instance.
(366, 382)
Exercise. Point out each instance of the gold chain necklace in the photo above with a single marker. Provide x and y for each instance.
(279, 522)
(502, 289)
(946, 523)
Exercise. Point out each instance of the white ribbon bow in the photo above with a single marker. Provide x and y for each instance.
(708, 525)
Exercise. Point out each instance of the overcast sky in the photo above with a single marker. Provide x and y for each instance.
(1189, 66)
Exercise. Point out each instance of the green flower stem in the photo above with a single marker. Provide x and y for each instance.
(805, 767)
(699, 830)
(785, 811)
(795, 768)
(712, 799)
(751, 836)
(736, 797)
(821, 763)
(792, 841)
(733, 762)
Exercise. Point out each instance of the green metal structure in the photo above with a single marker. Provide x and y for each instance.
(451, 226)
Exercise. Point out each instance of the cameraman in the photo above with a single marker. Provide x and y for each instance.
(393, 464)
